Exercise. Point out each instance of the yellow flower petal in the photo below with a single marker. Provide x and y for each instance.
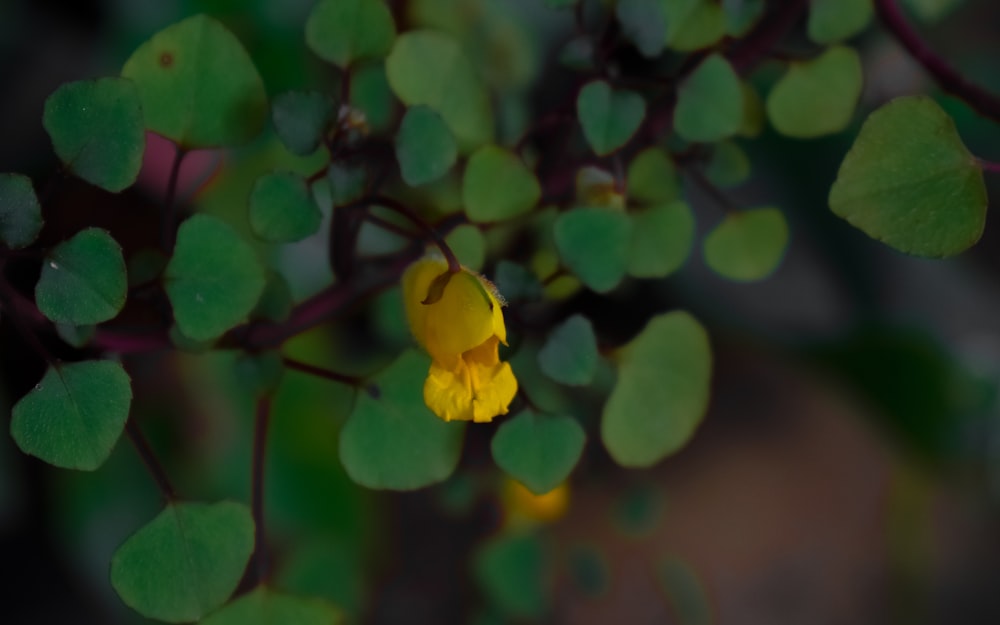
(479, 388)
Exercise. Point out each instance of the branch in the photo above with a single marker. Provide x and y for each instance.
(149, 459)
(755, 47)
(260, 558)
(320, 372)
(982, 101)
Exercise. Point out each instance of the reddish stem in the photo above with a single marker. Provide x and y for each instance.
(168, 217)
(261, 423)
(320, 372)
(149, 459)
(453, 265)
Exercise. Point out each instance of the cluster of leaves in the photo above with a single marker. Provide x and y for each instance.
(416, 152)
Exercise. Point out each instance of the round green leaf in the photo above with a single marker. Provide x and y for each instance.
(83, 279)
(817, 97)
(742, 15)
(213, 279)
(425, 148)
(910, 182)
(511, 570)
(538, 450)
(831, 21)
(729, 164)
(497, 185)
(569, 355)
(609, 118)
(392, 440)
(370, 94)
(662, 391)
(301, 118)
(469, 245)
(709, 102)
(694, 24)
(345, 31)
(20, 213)
(593, 243)
(428, 67)
(747, 245)
(75, 415)
(186, 562)
(264, 606)
(662, 237)
(96, 127)
(198, 85)
(644, 22)
(652, 177)
(282, 208)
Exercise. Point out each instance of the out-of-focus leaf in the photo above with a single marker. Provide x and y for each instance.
(300, 119)
(609, 118)
(538, 450)
(497, 185)
(345, 31)
(425, 148)
(511, 571)
(20, 213)
(831, 21)
(817, 97)
(570, 354)
(747, 245)
(282, 208)
(662, 238)
(709, 102)
(264, 606)
(593, 243)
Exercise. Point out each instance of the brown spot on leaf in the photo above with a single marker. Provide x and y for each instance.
(166, 59)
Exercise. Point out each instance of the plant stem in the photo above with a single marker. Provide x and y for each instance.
(130, 343)
(320, 372)
(168, 217)
(453, 265)
(713, 191)
(15, 310)
(982, 101)
(993, 168)
(149, 459)
(260, 557)
(756, 46)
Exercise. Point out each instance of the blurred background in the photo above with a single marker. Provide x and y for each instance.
(848, 470)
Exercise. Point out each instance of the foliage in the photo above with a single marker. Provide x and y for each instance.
(440, 136)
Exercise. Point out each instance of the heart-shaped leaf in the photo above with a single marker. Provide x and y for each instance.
(662, 391)
(428, 67)
(662, 237)
(747, 245)
(709, 102)
(609, 118)
(97, 130)
(392, 440)
(569, 355)
(511, 569)
(652, 177)
(20, 213)
(345, 31)
(83, 280)
(300, 119)
(593, 243)
(186, 562)
(75, 415)
(910, 182)
(425, 148)
(538, 450)
(644, 22)
(497, 185)
(198, 86)
(213, 279)
(817, 97)
(282, 208)
(831, 21)
(694, 24)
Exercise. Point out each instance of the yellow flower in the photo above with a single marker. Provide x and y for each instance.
(461, 327)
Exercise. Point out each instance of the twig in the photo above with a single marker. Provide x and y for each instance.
(260, 555)
(982, 101)
(989, 166)
(320, 372)
(149, 459)
(756, 46)
(387, 202)
(713, 191)
(168, 216)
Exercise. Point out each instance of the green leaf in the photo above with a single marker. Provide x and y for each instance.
(694, 24)
(644, 22)
(709, 102)
(430, 68)
(569, 355)
(186, 562)
(593, 243)
(275, 303)
(83, 279)
(747, 245)
(370, 93)
(515, 282)
(347, 183)
(345, 31)
(20, 213)
(213, 279)
(198, 86)
(282, 208)
(259, 373)
(425, 148)
(817, 97)
(910, 182)
(264, 606)
(831, 21)
(511, 571)
(609, 118)
(77, 336)
(497, 185)
(662, 237)
(391, 439)
(96, 127)
(652, 177)
(538, 450)
(729, 164)
(662, 391)
(578, 54)
(75, 415)
(742, 15)
(560, 4)
(685, 593)
(469, 245)
(301, 119)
